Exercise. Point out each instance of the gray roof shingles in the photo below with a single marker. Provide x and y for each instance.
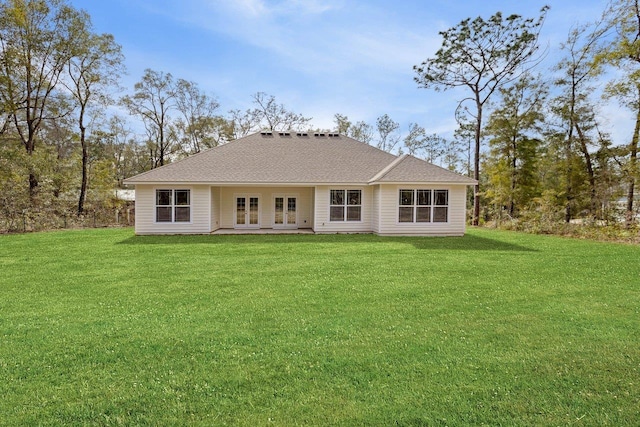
(291, 158)
(412, 169)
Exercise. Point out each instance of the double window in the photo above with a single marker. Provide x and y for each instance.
(345, 205)
(173, 205)
(421, 205)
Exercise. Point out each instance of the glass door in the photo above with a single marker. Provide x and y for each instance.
(247, 212)
(285, 212)
(279, 211)
(241, 211)
(254, 216)
(291, 212)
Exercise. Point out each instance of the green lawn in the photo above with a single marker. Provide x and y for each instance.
(104, 328)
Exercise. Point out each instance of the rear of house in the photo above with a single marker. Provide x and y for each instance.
(326, 183)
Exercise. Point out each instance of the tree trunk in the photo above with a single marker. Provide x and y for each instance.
(33, 179)
(590, 173)
(633, 154)
(569, 186)
(85, 158)
(514, 177)
(33, 185)
(568, 154)
(476, 167)
(85, 161)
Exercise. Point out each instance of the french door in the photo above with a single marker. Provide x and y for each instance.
(247, 212)
(285, 212)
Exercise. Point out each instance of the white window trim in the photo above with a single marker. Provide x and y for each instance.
(432, 206)
(346, 206)
(172, 206)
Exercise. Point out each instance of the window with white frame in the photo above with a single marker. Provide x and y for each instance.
(345, 205)
(173, 205)
(423, 205)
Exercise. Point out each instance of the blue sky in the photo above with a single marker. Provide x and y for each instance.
(319, 57)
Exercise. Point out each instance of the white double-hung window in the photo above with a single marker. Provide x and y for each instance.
(173, 205)
(345, 205)
(423, 205)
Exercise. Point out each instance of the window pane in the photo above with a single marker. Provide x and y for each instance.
(182, 197)
(279, 214)
(424, 197)
(337, 197)
(440, 214)
(353, 213)
(423, 214)
(163, 214)
(405, 215)
(241, 210)
(441, 197)
(183, 214)
(163, 197)
(253, 211)
(240, 217)
(406, 197)
(337, 213)
(291, 210)
(240, 203)
(353, 197)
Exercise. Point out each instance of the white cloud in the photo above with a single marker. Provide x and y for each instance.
(312, 36)
(283, 8)
(253, 8)
(307, 7)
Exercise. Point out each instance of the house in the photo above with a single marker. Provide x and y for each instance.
(323, 182)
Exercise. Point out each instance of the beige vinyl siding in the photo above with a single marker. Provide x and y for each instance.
(455, 226)
(375, 210)
(146, 210)
(215, 208)
(312, 206)
(266, 204)
(322, 202)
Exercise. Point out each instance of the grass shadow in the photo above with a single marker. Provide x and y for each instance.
(465, 243)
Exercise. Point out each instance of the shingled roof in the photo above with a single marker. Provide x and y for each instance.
(297, 158)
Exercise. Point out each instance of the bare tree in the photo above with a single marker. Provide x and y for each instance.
(93, 69)
(277, 117)
(198, 123)
(152, 101)
(361, 130)
(388, 135)
(242, 123)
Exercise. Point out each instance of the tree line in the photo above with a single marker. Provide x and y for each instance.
(535, 145)
(539, 139)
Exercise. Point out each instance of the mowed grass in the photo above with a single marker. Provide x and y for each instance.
(102, 327)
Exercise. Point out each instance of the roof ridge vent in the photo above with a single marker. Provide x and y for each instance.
(319, 134)
(266, 133)
(302, 134)
(284, 133)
